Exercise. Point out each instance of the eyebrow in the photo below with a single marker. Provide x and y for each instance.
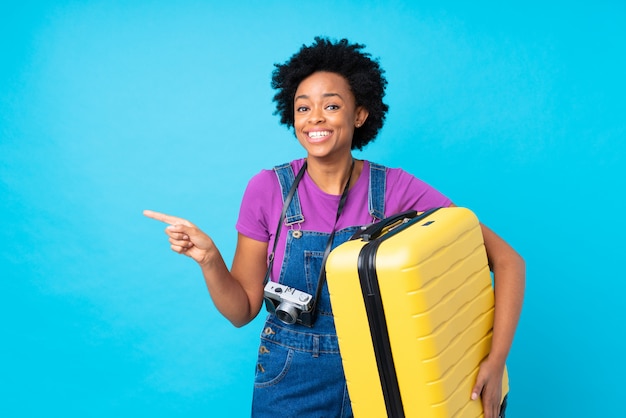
(304, 96)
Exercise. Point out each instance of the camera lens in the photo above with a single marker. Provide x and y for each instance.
(287, 313)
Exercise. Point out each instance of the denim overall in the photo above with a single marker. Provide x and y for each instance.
(299, 371)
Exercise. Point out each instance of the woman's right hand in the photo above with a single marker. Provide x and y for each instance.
(237, 294)
(185, 238)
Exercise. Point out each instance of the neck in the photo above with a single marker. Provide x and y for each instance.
(331, 177)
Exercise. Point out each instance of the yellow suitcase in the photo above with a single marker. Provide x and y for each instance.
(413, 303)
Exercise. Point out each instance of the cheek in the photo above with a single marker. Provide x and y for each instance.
(297, 123)
(298, 134)
(297, 129)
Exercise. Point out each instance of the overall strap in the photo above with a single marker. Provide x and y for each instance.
(286, 178)
(377, 186)
(288, 198)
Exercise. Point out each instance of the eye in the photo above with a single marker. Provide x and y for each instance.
(332, 107)
(301, 109)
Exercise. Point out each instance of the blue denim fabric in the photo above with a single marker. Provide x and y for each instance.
(299, 371)
(286, 178)
(503, 406)
(377, 189)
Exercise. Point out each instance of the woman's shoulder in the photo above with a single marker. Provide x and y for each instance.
(266, 178)
(261, 179)
(392, 173)
(407, 191)
(398, 179)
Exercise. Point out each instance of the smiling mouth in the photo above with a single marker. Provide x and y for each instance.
(318, 134)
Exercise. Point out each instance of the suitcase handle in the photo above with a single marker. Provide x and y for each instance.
(375, 230)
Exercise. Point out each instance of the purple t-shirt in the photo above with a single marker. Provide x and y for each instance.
(262, 204)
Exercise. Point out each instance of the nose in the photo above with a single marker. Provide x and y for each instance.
(316, 116)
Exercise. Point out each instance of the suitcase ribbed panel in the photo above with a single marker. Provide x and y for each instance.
(438, 302)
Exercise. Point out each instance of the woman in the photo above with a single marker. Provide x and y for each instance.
(331, 94)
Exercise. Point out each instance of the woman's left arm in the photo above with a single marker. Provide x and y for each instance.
(509, 274)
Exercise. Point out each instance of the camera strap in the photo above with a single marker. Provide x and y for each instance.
(329, 244)
(292, 191)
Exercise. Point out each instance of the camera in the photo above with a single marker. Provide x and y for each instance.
(290, 305)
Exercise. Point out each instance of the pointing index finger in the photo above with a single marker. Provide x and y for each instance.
(168, 219)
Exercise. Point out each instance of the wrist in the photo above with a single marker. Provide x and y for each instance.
(497, 359)
(208, 259)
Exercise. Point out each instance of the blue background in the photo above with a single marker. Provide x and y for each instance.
(111, 107)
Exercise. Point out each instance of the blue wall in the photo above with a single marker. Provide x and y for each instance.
(111, 107)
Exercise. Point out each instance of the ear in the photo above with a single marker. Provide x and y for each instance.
(361, 116)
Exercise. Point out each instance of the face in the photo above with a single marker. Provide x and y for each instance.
(325, 115)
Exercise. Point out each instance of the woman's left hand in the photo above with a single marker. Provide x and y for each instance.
(488, 387)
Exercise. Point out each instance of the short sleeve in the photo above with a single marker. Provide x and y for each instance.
(256, 206)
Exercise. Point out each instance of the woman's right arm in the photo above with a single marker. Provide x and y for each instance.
(238, 293)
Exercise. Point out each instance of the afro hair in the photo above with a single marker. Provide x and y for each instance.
(364, 75)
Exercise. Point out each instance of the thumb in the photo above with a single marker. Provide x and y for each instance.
(476, 391)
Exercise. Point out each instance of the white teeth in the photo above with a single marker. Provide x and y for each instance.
(318, 134)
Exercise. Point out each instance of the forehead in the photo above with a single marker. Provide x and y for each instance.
(324, 82)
